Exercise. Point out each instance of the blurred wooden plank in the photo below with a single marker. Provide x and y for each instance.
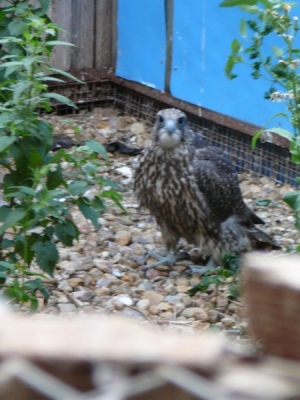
(272, 295)
(61, 14)
(105, 34)
(83, 32)
(94, 338)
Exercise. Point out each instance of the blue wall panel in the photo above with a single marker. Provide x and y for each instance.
(141, 47)
(202, 35)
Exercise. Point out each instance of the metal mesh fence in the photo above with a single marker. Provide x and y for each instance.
(267, 159)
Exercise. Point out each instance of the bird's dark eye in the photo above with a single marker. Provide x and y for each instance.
(181, 121)
(160, 119)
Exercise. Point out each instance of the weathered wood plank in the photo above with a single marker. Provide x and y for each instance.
(105, 34)
(83, 15)
(61, 14)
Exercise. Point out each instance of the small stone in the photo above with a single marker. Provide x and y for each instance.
(101, 264)
(64, 286)
(123, 299)
(153, 310)
(164, 306)
(169, 288)
(145, 285)
(222, 303)
(153, 297)
(123, 238)
(137, 128)
(64, 308)
(213, 316)
(102, 291)
(125, 171)
(186, 300)
(166, 315)
(174, 300)
(143, 304)
(195, 312)
(228, 322)
(73, 282)
(182, 288)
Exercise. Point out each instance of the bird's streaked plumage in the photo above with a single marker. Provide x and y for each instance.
(192, 190)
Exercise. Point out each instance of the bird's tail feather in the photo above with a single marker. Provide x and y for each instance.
(261, 240)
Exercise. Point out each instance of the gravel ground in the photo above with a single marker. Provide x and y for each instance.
(101, 273)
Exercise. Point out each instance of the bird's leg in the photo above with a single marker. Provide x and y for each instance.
(170, 259)
(210, 266)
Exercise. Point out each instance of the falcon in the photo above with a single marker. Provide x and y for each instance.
(192, 190)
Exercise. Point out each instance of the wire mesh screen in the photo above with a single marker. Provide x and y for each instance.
(267, 159)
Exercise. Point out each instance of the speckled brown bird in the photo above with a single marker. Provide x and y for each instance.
(192, 190)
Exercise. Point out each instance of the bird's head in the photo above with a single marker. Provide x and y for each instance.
(170, 128)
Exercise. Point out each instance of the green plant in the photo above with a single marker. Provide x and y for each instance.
(272, 19)
(38, 193)
(229, 269)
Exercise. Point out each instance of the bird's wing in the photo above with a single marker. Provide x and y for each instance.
(218, 181)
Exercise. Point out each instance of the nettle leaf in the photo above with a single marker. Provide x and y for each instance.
(4, 211)
(108, 182)
(6, 141)
(66, 74)
(89, 213)
(16, 27)
(55, 178)
(46, 255)
(45, 4)
(293, 200)
(12, 219)
(60, 98)
(97, 148)
(233, 3)
(66, 232)
(77, 188)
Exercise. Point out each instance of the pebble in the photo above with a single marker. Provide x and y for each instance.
(228, 322)
(66, 307)
(64, 286)
(154, 298)
(143, 304)
(195, 312)
(123, 238)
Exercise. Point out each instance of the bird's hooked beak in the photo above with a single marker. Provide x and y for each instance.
(169, 135)
(170, 125)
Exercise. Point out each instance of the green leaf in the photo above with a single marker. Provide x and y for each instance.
(66, 232)
(243, 28)
(293, 200)
(12, 218)
(4, 211)
(97, 148)
(55, 178)
(16, 27)
(58, 43)
(115, 197)
(45, 4)
(108, 182)
(90, 214)
(6, 141)
(233, 3)
(60, 98)
(77, 188)
(281, 132)
(7, 266)
(66, 74)
(256, 137)
(46, 255)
